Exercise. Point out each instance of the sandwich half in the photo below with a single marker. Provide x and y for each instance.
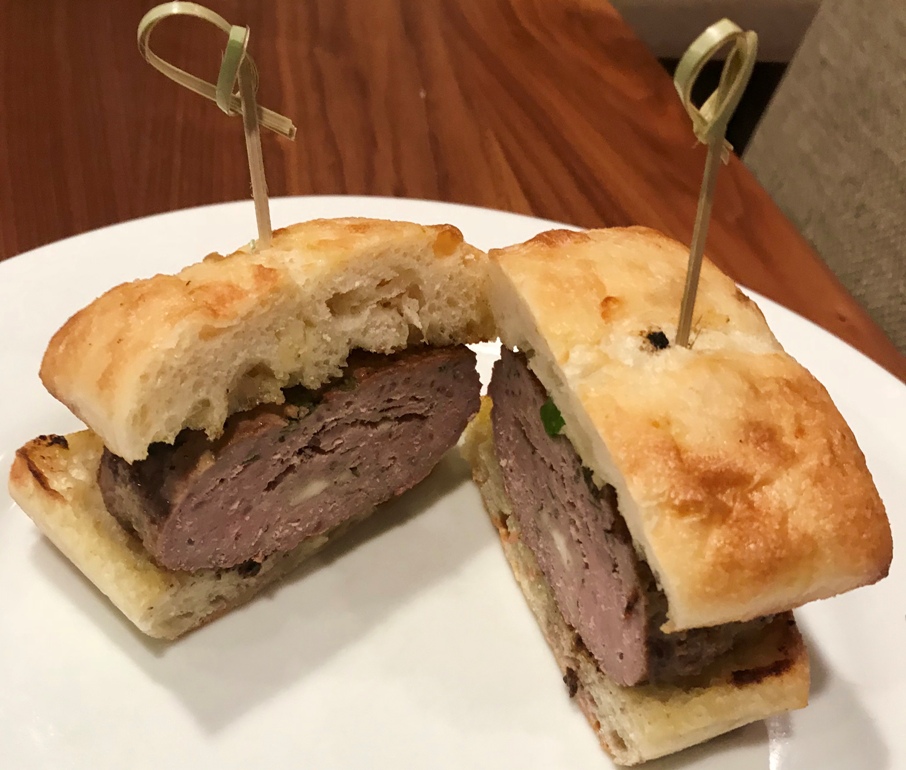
(662, 508)
(252, 407)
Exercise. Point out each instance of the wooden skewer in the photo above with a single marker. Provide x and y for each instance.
(237, 66)
(710, 125)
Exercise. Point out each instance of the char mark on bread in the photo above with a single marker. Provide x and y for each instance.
(585, 551)
(41, 442)
(281, 474)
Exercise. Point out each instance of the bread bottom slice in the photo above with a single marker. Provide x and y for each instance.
(766, 676)
(53, 479)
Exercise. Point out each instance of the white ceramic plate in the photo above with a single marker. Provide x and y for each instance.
(408, 645)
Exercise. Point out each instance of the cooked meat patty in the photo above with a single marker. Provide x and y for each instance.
(284, 473)
(575, 530)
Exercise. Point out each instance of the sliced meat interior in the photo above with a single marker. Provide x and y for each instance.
(604, 591)
(284, 473)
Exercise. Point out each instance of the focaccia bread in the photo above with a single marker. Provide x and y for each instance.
(740, 482)
(766, 676)
(153, 357)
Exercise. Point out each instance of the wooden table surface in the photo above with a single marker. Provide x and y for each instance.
(545, 107)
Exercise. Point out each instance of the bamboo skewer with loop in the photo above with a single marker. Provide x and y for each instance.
(709, 122)
(238, 66)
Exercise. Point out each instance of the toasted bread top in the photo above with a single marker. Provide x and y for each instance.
(150, 358)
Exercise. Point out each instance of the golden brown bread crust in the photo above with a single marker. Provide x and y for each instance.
(53, 479)
(154, 356)
(767, 675)
(736, 474)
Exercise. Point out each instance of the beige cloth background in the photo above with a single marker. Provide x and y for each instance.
(831, 150)
(669, 26)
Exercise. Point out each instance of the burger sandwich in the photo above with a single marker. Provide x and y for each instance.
(664, 508)
(249, 409)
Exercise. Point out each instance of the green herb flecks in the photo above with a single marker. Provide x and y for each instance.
(551, 418)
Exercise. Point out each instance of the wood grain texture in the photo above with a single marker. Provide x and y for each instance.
(545, 107)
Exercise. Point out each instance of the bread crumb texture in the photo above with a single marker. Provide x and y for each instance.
(152, 357)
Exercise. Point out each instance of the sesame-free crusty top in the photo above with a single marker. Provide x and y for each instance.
(742, 485)
(152, 357)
